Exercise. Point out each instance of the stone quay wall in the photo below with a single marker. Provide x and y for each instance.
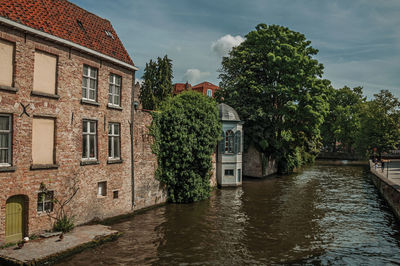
(389, 190)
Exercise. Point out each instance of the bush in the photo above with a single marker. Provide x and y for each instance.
(186, 131)
(64, 224)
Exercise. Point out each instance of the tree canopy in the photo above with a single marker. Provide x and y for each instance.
(157, 84)
(186, 130)
(274, 82)
(380, 120)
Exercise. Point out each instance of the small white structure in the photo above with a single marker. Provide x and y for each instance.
(229, 159)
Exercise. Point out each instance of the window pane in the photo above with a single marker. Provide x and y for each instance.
(48, 206)
(117, 91)
(116, 99)
(111, 79)
(92, 127)
(116, 129)
(3, 140)
(84, 147)
(93, 72)
(40, 207)
(92, 143)
(85, 70)
(118, 80)
(4, 123)
(92, 83)
(110, 88)
(3, 156)
(84, 82)
(110, 97)
(85, 126)
(84, 93)
(109, 129)
(49, 196)
(109, 146)
(91, 95)
(116, 147)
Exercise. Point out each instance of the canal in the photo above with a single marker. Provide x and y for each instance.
(324, 215)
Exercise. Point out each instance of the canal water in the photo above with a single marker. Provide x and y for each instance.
(323, 215)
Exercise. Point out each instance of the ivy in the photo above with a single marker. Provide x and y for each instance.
(186, 130)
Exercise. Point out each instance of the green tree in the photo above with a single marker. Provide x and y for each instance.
(186, 130)
(343, 120)
(274, 82)
(380, 120)
(157, 84)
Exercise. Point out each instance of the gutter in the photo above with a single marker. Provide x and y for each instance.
(48, 36)
(132, 127)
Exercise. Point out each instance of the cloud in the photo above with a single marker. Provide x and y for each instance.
(194, 76)
(224, 44)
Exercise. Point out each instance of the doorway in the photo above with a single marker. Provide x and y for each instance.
(15, 218)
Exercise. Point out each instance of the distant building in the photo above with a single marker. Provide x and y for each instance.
(206, 88)
(230, 148)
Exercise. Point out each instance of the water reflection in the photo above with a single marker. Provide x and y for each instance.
(324, 215)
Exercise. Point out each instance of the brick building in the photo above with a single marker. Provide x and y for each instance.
(206, 88)
(66, 93)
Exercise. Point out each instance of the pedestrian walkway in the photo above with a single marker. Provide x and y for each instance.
(391, 171)
(49, 249)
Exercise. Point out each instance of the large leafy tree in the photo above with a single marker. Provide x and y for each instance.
(186, 130)
(380, 120)
(342, 123)
(157, 84)
(274, 82)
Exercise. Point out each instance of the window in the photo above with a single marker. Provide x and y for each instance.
(6, 63)
(114, 91)
(45, 72)
(229, 172)
(89, 83)
(209, 93)
(89, 141)
(229, 141)
(102, 188)
(43, 141)
(45, 201)
(5, 139)
(239, 175)
(238, 144)
(115, 194)
(114, 151)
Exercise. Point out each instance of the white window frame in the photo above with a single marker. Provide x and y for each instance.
(102, 190)
(9, 133)
(87, 135)
(229, 142)
(111, 136)
(86, 89)
(113, 85)
(45, 200)
(209, 92)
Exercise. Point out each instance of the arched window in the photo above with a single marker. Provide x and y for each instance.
(229, 139)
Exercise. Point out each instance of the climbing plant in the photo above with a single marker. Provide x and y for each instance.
(186, 130)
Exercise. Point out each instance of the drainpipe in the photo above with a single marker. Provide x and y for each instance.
(133, 107)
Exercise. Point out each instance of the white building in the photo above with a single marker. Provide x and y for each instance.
(229, 159)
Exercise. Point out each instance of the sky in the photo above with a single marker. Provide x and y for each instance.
(358, 40)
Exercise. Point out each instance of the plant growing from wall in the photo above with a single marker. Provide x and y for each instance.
(64, 222)
(186, 131)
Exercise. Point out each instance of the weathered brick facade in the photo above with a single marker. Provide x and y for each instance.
(69, 113)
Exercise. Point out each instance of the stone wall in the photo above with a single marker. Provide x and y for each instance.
(253, 166)
(69, 113)
(389, 190)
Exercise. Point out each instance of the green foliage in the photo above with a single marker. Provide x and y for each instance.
(157, 83)
(274, 82)
(186, 131)
(64, 224)
(343, 120)
(380, 120)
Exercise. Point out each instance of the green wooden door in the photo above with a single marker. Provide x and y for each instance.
(14, 219)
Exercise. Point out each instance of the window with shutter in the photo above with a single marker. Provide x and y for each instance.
(222, 143)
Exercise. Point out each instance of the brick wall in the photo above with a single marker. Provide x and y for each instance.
(69, 112)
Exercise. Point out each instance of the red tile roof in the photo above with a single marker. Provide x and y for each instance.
(179, 87)
(61, 19)
(206, 85)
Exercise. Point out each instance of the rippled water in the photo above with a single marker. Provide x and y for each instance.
(324, 215)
